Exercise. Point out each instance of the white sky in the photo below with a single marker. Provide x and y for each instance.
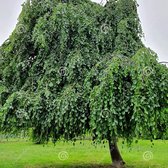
(153, 15)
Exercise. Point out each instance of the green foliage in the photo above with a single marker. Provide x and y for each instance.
(76, 67)
(131, 98)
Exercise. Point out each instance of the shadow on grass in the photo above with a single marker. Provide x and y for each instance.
(82, 166)
(78, 166)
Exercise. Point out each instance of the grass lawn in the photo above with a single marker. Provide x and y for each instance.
(22, 154)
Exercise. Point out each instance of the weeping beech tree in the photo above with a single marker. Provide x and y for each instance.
(76, 67)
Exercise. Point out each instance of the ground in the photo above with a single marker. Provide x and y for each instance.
(25, 154)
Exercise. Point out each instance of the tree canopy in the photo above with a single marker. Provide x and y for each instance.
(72, 67)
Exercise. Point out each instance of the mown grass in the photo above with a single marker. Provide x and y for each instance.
(22, 154)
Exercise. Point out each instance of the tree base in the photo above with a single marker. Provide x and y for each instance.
(118, 164)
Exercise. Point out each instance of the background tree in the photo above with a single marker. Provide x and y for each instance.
(73, 67)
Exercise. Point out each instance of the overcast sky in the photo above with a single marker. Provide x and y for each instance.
(153, 15)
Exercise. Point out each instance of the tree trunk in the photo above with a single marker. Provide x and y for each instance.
(117, 161)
